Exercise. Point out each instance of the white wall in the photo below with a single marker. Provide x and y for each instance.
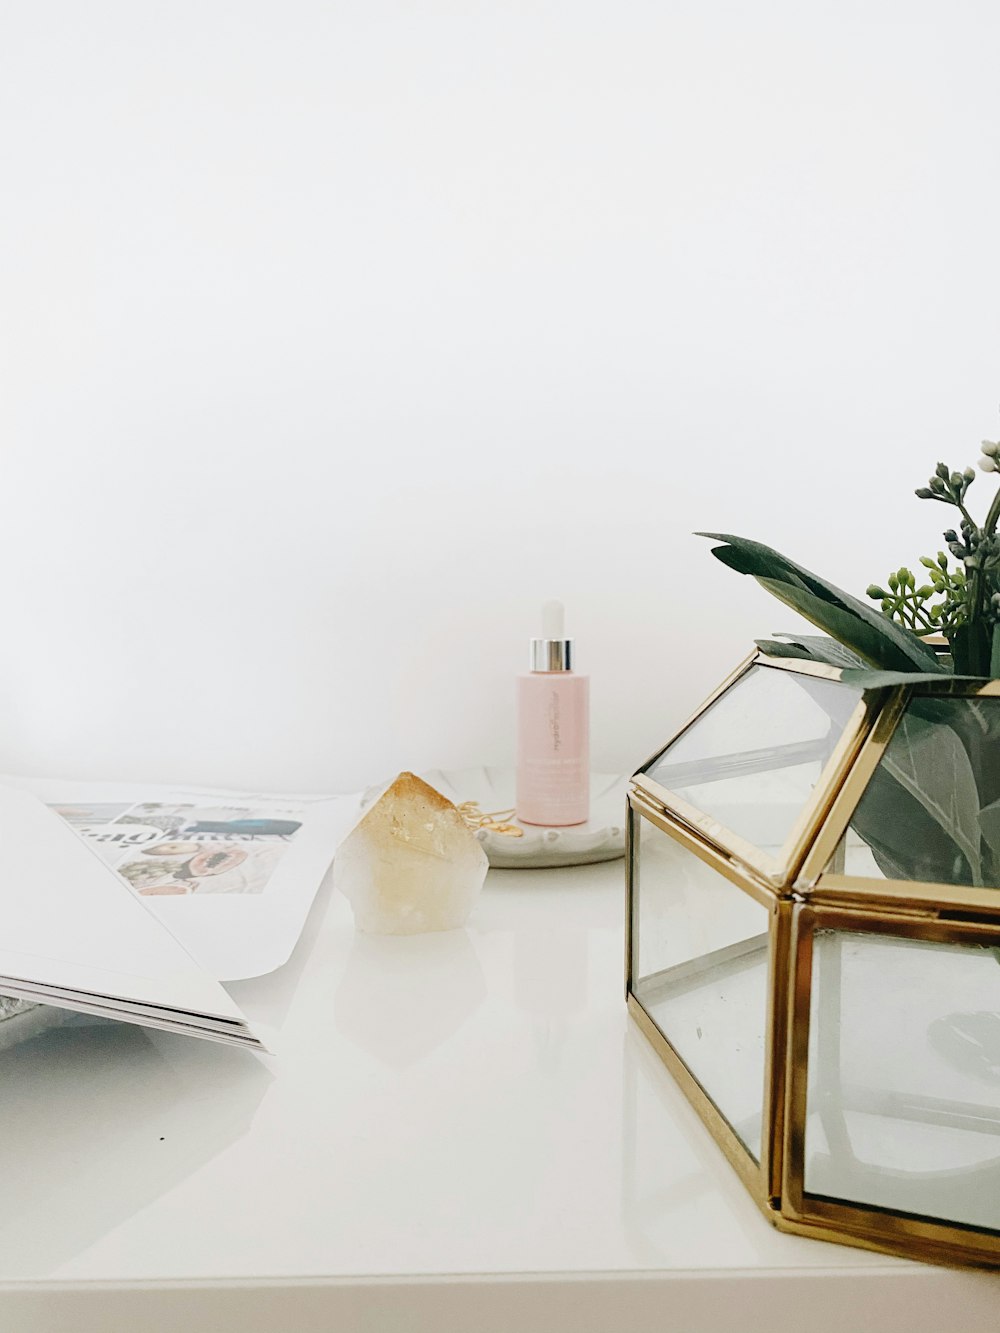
(335, 336)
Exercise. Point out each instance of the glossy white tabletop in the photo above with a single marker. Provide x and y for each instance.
(458, 1131)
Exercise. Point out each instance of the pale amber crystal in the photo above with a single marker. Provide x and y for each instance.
(411, 864)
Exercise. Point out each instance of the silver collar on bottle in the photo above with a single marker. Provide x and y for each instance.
(551, 654)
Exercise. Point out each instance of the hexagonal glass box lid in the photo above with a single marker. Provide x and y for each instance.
(814, 948)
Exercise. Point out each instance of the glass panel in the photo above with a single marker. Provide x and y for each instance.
(903, 1107)
(752, 760)
(700, 970)
(931, 811)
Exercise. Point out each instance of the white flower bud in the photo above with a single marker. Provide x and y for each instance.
(987, 464)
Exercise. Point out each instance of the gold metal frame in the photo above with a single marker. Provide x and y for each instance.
(805, 889)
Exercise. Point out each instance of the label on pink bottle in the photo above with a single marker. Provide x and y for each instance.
(553, 748)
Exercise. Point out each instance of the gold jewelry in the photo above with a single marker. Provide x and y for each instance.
(495, 821)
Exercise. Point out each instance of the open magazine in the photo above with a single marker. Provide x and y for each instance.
(137, 902)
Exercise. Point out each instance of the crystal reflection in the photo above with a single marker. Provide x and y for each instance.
(428, 987)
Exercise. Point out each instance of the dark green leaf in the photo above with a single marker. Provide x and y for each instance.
(971, 646)
(929, 761)
(869, 641)
(906, 842)
(989, 822)
(881, 680)
(918, 810)
(778, 648)
(760, 561)
(817, 648)
(764, 563)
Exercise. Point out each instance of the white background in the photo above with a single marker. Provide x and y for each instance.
(335, 336)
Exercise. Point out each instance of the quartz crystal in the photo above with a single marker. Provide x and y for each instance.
(411, 864)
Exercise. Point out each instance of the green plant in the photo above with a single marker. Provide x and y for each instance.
(932, 809)
(960, 602)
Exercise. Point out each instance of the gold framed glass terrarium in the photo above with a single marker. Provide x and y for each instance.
(813, 948)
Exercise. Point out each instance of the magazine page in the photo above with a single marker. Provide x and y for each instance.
(231, 874)
(73, 936)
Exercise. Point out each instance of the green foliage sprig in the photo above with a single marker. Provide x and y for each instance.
(915, 607)
(967, 609)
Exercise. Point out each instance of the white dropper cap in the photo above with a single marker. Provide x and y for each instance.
(553, 651)
(553, 620)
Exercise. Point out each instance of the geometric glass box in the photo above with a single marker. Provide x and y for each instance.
(813, 948)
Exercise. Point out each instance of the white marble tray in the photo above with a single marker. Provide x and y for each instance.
(601, 838)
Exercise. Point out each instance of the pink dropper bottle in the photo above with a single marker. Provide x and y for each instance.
(553, 730)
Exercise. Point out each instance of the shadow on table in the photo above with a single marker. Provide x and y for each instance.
(99, 1119)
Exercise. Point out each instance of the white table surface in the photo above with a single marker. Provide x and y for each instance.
(459, 1132)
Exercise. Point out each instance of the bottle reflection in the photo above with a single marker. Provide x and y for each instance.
(550, 984)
